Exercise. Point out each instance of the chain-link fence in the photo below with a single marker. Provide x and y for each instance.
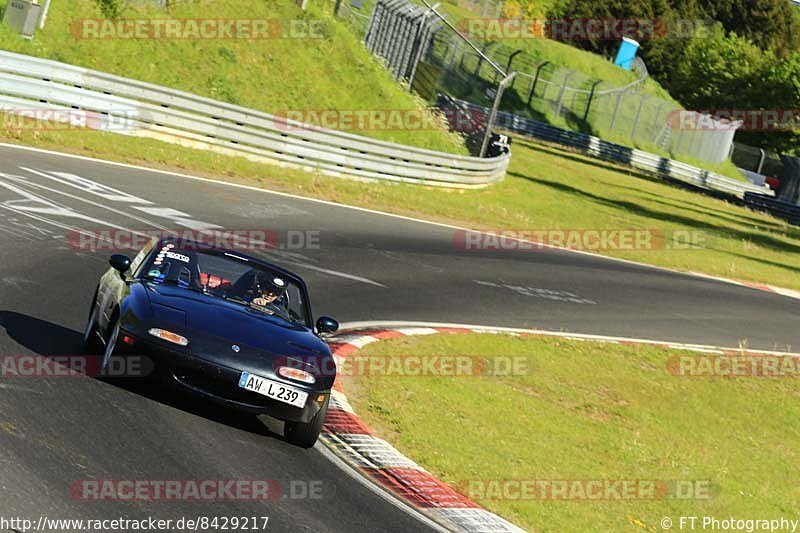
(484, 8)
(756, 160)
(353, 13)
(406, 36)
(472, 70)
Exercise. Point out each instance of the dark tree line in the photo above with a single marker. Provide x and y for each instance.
(747, 56)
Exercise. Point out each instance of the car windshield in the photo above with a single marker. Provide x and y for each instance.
(230, 277)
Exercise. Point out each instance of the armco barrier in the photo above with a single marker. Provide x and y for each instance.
(176, 116)
(778, 208)
(617, 153)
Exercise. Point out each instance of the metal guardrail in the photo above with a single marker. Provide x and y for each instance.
(778, 208)
(609, 151)
(176, 116)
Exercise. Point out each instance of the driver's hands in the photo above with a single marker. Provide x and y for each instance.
(260, 301)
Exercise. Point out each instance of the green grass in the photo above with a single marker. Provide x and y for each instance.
(591, 411)
(588, 68)
(274, 75)
(545, 188)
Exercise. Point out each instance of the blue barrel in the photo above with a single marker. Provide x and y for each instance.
(627, 52)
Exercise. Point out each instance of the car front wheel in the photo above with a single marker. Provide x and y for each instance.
(91, 341)
(305, 434)
(111, 346)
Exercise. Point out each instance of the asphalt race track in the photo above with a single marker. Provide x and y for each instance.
(366, 266)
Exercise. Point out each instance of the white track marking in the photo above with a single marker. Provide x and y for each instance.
(404, 325)
(86, 200)
(51, 222)
(92, 187)
(28, 206)
(178, 217)
(784, 292)
(337, 273)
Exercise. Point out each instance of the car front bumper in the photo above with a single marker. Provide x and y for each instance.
(220, 383)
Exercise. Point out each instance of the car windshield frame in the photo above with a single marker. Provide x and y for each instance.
(266, 269)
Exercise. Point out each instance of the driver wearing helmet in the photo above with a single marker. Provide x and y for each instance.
(268, 291)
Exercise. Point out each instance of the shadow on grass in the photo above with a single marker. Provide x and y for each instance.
(762, 225)
(633, 173)
(664, 165)
(632, 207)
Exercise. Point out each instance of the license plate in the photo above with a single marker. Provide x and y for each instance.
(273, 389)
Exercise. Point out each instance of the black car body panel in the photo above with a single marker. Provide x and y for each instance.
(225, 338)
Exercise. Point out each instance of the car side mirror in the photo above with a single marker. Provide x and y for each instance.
(120, 263)
(326, 324)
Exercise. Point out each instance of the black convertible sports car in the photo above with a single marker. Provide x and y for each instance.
(226, 326)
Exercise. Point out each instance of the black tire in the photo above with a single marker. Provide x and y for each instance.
(305, 434)
(91, 340)
(111, 346)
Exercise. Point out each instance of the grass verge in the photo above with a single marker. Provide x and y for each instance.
(317, 64)
(545, 189)
(590, 411)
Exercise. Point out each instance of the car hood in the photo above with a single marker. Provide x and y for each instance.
(214, 325)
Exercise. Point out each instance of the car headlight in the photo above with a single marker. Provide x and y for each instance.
(296, 374)
(169, 336)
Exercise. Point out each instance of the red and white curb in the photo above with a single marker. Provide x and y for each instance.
(352, 440)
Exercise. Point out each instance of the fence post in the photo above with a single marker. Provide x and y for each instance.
(456, 49)
(419, 46)
(655, 120)
(490, 121)
(638, 114)
(480, 57)
(589, 101)
(508, 65)
(563, 90)
(536, 81)
(616, 110)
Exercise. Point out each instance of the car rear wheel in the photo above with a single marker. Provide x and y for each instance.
(305, 434)
(91, 341)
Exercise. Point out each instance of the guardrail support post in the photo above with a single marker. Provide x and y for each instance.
(493, 114)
